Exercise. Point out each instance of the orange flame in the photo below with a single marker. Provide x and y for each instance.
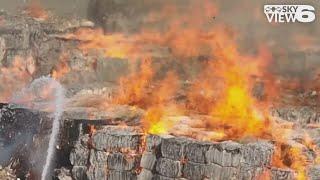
(15, 76)
(222, 90)
(185, 41)
(157, 119)
(136, 89)
(112, 45)
(293, 157)
(62, 67)
(92, 129)
(35, 10)
(133, 89)
(237, 108)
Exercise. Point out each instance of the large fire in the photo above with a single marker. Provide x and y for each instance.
(221, 92)
(218, 102)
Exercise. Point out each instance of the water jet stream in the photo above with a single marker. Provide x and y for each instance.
(50, 91)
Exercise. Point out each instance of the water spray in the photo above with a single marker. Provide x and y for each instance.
(59, 101)
(33, 92)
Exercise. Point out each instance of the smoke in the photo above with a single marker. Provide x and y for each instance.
(245, 17)
(294, 46)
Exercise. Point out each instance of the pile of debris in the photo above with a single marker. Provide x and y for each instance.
(31, 48)
(110, 143)
(110, 153)
(96, 149)
(176, 157)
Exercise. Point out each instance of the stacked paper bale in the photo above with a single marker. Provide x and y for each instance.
(111, 153)
(168, 157)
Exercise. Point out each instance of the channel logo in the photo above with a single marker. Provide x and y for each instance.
(290, 13)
